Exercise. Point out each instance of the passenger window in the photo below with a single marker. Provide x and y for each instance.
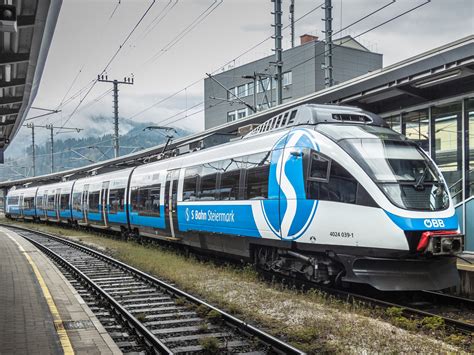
(208, 186)
(94, 201)
(51, 202)
(117, 200)
(64, 202)
(39, 202)
(190, 185)
(146, 200)
(230, 180)
(257, 172)
(76, 201)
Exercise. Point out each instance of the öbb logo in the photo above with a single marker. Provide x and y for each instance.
(433, 223)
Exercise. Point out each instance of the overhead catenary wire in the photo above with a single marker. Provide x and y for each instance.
(109, 63)
(199, 19)
(160, 17)
(221, 66)
(366, 31)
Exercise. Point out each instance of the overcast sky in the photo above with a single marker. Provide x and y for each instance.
(89, 32)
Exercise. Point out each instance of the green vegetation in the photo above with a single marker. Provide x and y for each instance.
(210, 345)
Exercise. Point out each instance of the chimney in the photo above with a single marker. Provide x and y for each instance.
(307, 38)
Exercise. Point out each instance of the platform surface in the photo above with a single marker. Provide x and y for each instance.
(467, 262)
(40, 312)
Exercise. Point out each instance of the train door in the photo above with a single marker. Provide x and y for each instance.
(58, 204)
(105, 202)
(45, 204)
(21, 207)
(171, 202)
(85, 205)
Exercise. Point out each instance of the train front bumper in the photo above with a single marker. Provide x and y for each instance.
(386, 274)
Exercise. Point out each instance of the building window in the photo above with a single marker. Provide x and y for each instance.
(231, 116)
(287, 78)
(447, 142)
(241, 113)
(416, 127)
(263, 85)
(242, 90)
(250, 88)
(231, 93)
(394, 123)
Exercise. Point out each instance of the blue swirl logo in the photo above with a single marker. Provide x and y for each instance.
(289, 214)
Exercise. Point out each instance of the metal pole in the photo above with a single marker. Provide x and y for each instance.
(328, 78)
(126, 80)
(51, 128)
(278, 52)
(116, 123)
(255, 91)
(292, 22)
(32, 126)
(464, 166)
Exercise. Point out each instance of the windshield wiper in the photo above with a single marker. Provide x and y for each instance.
(419, 183)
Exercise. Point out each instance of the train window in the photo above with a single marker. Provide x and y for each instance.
(39, 202)
(64, 202)
(190, 185)
(230, 179)
(13, 200)
(319, 168)
(28, 203)
(117, 200)
(50, 202)
(76, 201)
(208, 185)
(340, 187)
(146, 200)
(257, 171)
(94, 201)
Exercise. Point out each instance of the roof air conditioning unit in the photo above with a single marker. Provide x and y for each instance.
(8, 18)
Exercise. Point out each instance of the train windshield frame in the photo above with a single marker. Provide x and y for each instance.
(399, 167)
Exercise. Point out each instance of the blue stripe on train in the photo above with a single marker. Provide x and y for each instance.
(228, 219)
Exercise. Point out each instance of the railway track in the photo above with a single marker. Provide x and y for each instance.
(147, 315)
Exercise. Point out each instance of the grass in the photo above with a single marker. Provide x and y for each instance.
(309, 320)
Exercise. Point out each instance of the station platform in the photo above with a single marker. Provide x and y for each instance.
(40, 312)
(466, 272)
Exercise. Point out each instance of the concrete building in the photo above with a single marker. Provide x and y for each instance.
(303, 74)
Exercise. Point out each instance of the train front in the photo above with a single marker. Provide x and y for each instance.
(418, 212)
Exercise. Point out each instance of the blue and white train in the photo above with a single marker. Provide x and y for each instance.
(326, 192)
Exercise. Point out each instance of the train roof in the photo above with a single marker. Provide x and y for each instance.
(312, 114)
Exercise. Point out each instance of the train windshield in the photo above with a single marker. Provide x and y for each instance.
(399, 167)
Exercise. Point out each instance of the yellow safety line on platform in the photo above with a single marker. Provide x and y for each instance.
(58, 323)
(466, 267)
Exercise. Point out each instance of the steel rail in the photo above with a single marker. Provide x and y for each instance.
(152, 342)
(275, 343)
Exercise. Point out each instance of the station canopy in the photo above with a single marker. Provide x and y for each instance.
(24, 48)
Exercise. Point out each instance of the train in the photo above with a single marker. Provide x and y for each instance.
(324, 192)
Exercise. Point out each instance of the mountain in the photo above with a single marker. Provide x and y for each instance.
(76, 152)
